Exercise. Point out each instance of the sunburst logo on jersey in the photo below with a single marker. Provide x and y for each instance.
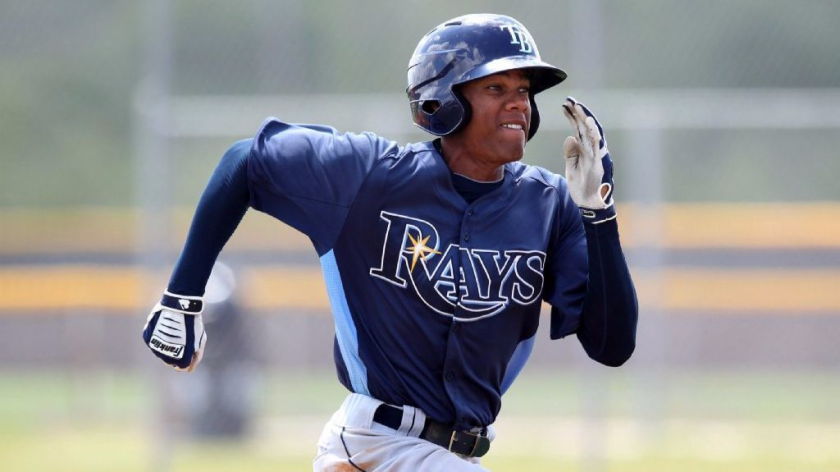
(420, 250)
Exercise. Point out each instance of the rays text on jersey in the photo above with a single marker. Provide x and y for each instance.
(468, 283)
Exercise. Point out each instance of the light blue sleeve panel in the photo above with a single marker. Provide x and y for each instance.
(345, 329)
(517, 362)
(308, 176)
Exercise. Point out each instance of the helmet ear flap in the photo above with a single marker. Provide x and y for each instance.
(429, 107)
(466, 112)
(535, 118)
(438, 117)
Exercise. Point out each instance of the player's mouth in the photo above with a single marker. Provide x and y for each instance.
(515, 126)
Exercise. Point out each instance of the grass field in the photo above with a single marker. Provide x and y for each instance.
(699, 422)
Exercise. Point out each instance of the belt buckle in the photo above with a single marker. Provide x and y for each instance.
(475, 441)
(452, 440)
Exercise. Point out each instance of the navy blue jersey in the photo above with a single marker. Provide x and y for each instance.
(436, 301)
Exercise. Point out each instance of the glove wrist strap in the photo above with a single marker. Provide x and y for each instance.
(598, 216)
(188, 305)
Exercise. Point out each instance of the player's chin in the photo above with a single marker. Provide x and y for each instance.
(513, 149)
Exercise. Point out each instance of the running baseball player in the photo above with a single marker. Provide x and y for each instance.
(437, 256)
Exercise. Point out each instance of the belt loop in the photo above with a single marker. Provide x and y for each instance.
(407, 420)
(419, 423)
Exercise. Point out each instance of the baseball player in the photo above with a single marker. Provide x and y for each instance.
(437, 255)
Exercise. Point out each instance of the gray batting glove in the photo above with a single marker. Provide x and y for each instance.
(589, 169)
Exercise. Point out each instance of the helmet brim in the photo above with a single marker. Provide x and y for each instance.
(544, 75)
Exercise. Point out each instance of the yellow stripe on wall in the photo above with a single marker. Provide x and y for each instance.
(685, 226)
(33, 289)
(733, 226)
(70, 287)
(757, 291)
(283, 287)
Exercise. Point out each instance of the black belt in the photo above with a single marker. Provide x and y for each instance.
(464, 443)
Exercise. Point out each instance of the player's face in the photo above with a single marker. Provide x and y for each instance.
(501, 117)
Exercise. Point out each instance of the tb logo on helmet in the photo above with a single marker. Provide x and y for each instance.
(517, 36)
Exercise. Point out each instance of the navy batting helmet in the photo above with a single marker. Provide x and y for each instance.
(467, 48)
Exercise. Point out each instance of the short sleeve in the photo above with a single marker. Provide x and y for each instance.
(308, 176)
(567, 267)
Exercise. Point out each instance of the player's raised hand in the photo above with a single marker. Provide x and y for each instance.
(175, 332)
(589, 169)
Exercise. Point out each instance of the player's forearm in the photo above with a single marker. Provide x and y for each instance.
(221, 208)
(610, 312)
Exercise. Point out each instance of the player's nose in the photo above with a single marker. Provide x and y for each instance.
(518, 101)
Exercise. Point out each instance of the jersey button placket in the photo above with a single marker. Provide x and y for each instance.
(453, 387)
(465, 224)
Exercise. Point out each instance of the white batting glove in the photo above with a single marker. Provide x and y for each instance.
(175, 333)
(589, 169)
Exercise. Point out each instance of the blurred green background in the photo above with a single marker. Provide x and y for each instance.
(71, 71)
(723, 119)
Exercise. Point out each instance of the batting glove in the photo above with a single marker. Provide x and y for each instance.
(175, 332)
(589, 169)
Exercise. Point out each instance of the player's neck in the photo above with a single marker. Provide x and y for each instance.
(464, 164)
